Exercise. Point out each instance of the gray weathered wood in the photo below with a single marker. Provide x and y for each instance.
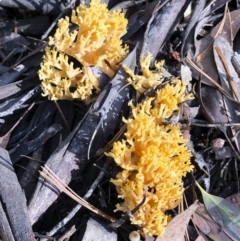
(15, 224)
(90, 135)
(42, 6)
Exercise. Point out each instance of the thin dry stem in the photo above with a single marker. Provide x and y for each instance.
(212, 81)
(56, 181)
(62, 115)
(201, 56)
(219, 51)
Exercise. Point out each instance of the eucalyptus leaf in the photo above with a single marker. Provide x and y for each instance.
(224, 213)
(208, 226)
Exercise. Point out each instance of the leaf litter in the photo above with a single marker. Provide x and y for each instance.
(70, 137)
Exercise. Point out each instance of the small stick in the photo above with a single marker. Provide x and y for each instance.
(72, 213)
(63, 117)
(56, 181)
(230, 79)
(212, 81)
(211, 125)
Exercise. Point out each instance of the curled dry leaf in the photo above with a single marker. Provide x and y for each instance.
(234, 199)
(175, 230)
(207, 63)
(207, 225)
(223, 54)
(196, 15)
(216, 107)
(229, 80)
(200, 238)
(223, 213)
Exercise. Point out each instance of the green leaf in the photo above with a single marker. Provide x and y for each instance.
(226, 214)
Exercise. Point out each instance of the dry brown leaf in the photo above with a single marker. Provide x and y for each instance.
(208, 64)
(229, 80)
(234, 199)
(148, 238)
(223, 54)
(200, 238)
(176, 229)
(201, 223)
(207, 225)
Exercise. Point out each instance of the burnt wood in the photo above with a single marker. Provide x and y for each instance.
(14, 220)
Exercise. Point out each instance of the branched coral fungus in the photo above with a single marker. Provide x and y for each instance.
(97, 42)
(154, 158)
(148, 78)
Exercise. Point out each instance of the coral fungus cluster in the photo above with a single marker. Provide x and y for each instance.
(147, 78)
(153, 155)
(96, 42)
(154, 158)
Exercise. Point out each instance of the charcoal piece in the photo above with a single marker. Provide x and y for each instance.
(31, 146)
(12, 75)
(17, 87)
(14, 41)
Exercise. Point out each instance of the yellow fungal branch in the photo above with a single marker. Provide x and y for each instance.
(97, 42)
(148, 78)
(154, 158)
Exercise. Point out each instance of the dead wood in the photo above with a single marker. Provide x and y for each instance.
(15, 224)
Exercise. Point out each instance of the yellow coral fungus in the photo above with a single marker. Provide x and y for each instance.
(97, 42)
(148, 78)
(154, 158)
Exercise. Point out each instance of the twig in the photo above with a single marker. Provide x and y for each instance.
(55, 21)
(62, 115)
(78, 206)
(56, 181)
(201, 56)
(231, 30)
(212, 81)
(211, 125)
(4, 139)
(8, 56)
(230, 79)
